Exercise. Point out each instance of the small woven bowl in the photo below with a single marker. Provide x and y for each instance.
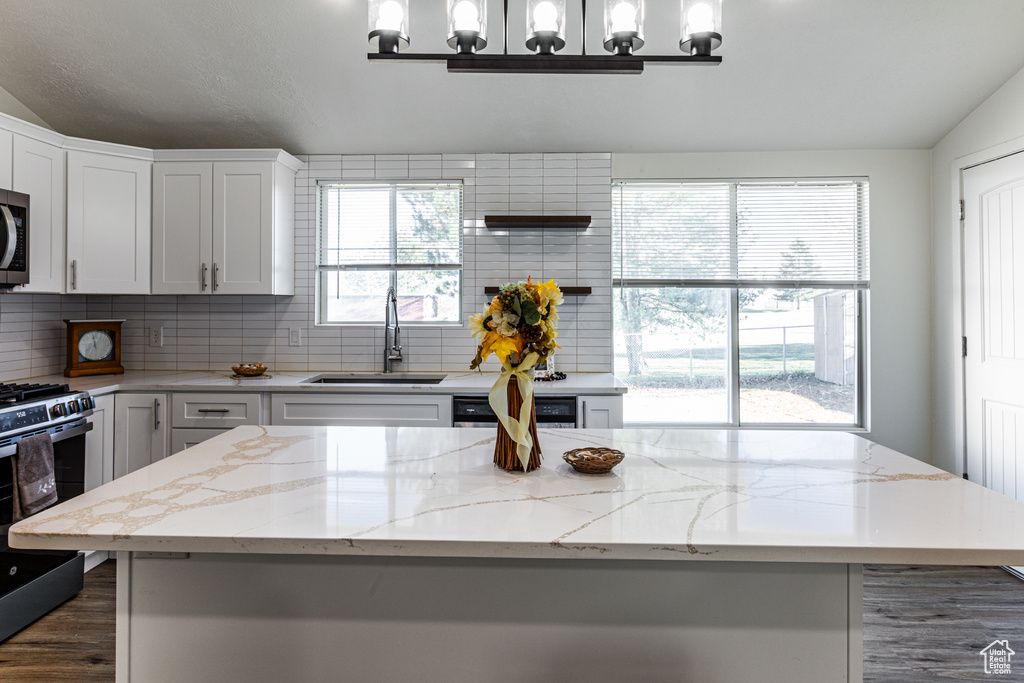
(250, 369)
(593, 460)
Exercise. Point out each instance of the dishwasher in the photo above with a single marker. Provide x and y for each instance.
(552, 411)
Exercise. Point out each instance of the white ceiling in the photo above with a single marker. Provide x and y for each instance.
(797, 75)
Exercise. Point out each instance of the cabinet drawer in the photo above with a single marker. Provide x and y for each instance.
(383, 410)
(186, 438)
(211, 410)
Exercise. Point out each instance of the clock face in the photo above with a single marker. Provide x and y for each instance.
(95, 345)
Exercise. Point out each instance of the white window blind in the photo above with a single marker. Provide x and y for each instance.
(780, 234)
(395, 226)
(403, 235)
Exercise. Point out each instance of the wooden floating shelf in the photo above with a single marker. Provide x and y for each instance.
(566, 222)
(566, 291)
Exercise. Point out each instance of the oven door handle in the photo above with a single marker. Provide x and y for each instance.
(77, 430)
(12, 237)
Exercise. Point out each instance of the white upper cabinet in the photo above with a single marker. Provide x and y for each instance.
(32, 162)
(108, 221)
(39, 173)
(6, 153)
(182, 227)
(226, 225)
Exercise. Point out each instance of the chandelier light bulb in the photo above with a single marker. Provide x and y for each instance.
(390, 16)
(623, 18)
(545, 17)
(700, 19)
(466, 16)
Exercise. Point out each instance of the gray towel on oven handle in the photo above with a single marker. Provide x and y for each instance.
(32, 467)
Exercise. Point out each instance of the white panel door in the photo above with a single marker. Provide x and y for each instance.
(140, 431)
(599, 412)
(6, 147)
(243, 222)
(99, 444)
(109, 223)
(994, 323)
(39, 173)
(182, 227)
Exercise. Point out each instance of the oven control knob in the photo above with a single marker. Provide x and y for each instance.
(72, 408)
(83, 404)
(57, 410)
(92, 403)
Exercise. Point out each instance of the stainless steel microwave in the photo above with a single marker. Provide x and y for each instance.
(13, 239)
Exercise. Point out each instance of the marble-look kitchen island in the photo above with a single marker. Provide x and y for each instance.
(393, 554)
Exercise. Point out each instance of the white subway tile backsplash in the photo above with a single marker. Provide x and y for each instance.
(215, 332)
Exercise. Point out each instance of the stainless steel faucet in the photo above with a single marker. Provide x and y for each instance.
(393, 348)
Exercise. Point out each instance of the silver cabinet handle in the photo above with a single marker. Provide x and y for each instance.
(156, 414)
(213, 410)
(215, 277)
(584, 415)
(74, 274)
(202, 287)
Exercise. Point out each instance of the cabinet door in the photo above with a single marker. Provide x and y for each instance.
(243, 224)
(384, 410)
(599, 412)
(108, 213)
(140, 431)
(182, 227)
(187, 438)
(6, 152)
(99, 444)
(39, 173)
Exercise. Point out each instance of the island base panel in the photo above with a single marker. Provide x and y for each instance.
(281, 617)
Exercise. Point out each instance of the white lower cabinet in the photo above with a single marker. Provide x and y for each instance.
(383, 410)
(140, 431)
(599, 412)
(187, 438)
(99, 444)
(196, 417)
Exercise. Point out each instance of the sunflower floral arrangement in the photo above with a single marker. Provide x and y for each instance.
(520, 327)
(522, 319)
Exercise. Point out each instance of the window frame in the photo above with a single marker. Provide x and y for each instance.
(393, 267)
(861, 423)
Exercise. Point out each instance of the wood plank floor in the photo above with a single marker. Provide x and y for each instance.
(74, 642)
(920, 624)
(930, 623)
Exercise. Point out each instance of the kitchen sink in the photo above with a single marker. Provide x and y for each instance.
(376, 378)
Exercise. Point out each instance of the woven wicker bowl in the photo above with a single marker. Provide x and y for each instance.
(593, 460)
(250, 369)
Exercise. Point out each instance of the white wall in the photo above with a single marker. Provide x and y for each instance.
(997, 126)
(12, 106)
(899, 311)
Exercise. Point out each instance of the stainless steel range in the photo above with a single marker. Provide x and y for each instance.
(33, 582)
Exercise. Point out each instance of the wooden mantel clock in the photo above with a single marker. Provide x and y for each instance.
(94, 347)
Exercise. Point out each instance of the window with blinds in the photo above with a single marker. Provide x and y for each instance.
(402, 235)
(779, 234)
(741, 302)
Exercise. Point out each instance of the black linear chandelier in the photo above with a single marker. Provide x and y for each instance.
(700, 34)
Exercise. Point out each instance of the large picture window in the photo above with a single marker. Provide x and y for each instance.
(741, 302)
(402, 235)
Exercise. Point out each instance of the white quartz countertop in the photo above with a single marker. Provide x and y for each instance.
(679, 495)
(594, 383)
